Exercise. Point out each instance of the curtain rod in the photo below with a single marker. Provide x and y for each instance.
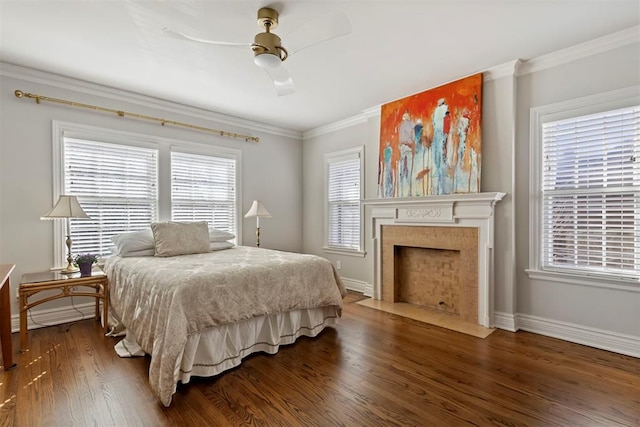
(120, 113)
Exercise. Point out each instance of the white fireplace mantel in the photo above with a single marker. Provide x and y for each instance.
(455, 210)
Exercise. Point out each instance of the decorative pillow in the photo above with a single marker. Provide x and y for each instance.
(219, 235)
(144, 252)
(133, 241)
(217, 246)
(180, 238)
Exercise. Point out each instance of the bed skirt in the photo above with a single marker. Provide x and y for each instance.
(223, 347)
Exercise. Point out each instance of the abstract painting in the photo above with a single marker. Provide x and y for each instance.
(430, 142)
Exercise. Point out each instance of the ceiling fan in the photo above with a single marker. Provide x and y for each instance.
(268, 51)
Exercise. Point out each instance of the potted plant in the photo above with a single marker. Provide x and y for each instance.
(85, 263)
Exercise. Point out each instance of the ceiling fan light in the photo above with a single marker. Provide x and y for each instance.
(267, 60)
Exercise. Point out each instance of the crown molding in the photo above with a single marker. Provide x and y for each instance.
(515, 68)
(372, 112)
(493, 73)
(582, 50)
(503, 70)
(335, 126)
(56, 80)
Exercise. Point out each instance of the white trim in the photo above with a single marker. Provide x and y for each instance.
(611, 100)
(508, 69)
(599, 281)
(582, 50)
(598, 338)
(335, 126)
(466, 199)
(359, 151)
(62, 82)
(55, 316)
(354, 285)
(499, 71)
(455, 210)
(506, 321)
(372, 111)
(347, 252)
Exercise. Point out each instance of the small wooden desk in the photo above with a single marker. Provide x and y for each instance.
(5, 316)
(67, 284)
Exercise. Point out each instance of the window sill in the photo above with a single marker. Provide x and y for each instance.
(348, 252)
(600, 281)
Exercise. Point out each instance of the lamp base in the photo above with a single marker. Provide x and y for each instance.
(69, 269)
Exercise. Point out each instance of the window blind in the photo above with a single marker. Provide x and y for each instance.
(115, 184)
(344, 202)
(591, 193)
(203, 188)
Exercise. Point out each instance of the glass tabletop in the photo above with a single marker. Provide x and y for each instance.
(52, 276)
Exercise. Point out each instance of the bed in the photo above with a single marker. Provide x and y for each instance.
(200, 314)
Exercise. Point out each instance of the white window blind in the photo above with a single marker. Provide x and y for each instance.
(115, 184)
(203, 188)
(343, 189)
(591, 194)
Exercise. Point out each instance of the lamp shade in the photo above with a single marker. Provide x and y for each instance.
(257, 209)
(67, 207)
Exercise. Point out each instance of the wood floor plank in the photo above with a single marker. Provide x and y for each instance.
(374, 368)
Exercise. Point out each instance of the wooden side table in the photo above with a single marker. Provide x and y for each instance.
(5, 316)
(34, 283)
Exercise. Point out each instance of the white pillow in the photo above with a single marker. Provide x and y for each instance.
(127, 243)
(180, 238)
(144, 252)
(133, 241)
(219, 235)
(217, 246)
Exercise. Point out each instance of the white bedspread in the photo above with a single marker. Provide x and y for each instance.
(161, 301)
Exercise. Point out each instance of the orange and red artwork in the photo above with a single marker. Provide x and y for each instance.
(430, 142)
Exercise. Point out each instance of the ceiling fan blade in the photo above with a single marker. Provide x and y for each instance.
(181, 35)
(322, 29)
(281, 80)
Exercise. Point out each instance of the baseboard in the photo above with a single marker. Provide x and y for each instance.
(357, 286)
(598, 338)
(54, 316)
(504, 321)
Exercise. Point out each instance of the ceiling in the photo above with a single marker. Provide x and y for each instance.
(395, 48)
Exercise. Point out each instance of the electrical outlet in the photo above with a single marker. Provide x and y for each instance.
(339, 265)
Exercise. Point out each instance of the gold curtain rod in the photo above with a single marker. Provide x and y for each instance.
(119, 113)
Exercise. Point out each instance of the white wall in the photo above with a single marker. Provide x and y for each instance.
(609, 313)
(601, 317)
(271, 169)
(497, 175)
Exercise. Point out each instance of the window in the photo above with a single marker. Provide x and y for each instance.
(117, 187)
(203, 188)
(126, 181)
(589, 193)
(344, 173)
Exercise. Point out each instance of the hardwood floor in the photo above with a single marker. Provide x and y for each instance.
(373, 369)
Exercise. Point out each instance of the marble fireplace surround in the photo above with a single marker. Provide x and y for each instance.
(458, 210)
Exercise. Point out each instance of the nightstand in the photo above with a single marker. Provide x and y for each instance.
(68, 286)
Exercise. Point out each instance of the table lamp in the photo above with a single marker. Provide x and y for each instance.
(67, 207)
(258, 210)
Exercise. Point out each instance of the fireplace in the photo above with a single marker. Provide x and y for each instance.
(432, 267)
(436, 253)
